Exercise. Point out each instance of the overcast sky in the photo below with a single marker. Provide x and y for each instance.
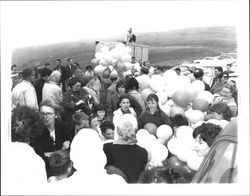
(34, 23)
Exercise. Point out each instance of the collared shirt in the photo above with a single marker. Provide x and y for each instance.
(24, 94)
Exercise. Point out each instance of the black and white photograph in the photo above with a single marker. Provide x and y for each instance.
(125, 97)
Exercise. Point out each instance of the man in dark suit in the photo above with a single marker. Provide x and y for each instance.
(67, 72)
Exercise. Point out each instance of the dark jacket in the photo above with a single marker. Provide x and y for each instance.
(39, 89)
(158, 118)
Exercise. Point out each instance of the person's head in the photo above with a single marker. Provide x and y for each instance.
(198, 74)
(159, 175)
(219, 111)
(50, 110)
(126, 131)
(26, 124)
(45, 73)
(106, 73)
(28, 74)
(144, 70)
(229, 67)
(13, 67)
(204, 136)
(47, 65)
(55, 77)
(229, 90)
(130, 30)
(78, 72)
(81, 120)
(132, 84)
(107, 128)
(146, 64)
(100, 110)
(225, 76)
(158, 69)
(133, 59)
(178, 70)
(58, 62)
(75, 84)
(218, 71)
(179, 120)
(93, 121)
(89, 68)
(77, 64)
(124, 102)
(152, 102)
(121, 86)
(70, 61)
(60, 164)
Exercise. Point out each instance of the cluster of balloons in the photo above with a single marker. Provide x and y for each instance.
(108, 56)
(157, 151)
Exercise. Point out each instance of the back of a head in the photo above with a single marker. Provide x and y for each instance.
(26, 124)
(127, 127)
(45, 72)
(198, 73)
(26, 73)
(219, 68)
(223, 109)
(55, 76)
(132, 83)
(87, 152)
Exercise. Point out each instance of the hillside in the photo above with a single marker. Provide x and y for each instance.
(166, 48)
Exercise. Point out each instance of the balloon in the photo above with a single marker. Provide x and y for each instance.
(194, 116)
(163, 97)
(98, 55)
(163, 132)
(145, 93)
(170, 76)
(127, 50)
(94, 61)
(187, 173)
(223, 123)
(103, 62)
(104, 49)
(121, 66)
(200, 104)
(176, 110)
(170, 89)
(143, 81)
(195, 87)
(214, 121)
(165, 108)
(173, 145)
(126, 58)
(158, 152)
(194, 162)
(199, 123)
(181, 99)
(142, 133)
(185, 134)
(156, 83)
(183, 153)
(151, 127)
(205, 95)
(99, 69)
(175, 163)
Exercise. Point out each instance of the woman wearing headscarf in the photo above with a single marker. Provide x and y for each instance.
(125, 154)
(89, 161)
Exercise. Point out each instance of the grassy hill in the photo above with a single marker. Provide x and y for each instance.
(166, 48)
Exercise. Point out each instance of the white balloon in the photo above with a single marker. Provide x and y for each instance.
(184, 153)
(170, 76)
(184, 133)
(194, 116)
(173, 145)
(199, 123)
(104, 49)
(99, 69)
(163, 97)
(165, 108)
(103, 62)
(156, 83)
(194, 161)
(98, 55)
(157, 151)
(143, 81)
(205, 95)
(163, 132)
(223, 123)
(214, 121)
(126, 58)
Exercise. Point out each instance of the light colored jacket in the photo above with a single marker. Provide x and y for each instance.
(52, 91)
(24, 94)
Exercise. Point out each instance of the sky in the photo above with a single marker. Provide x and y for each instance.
(31, 23)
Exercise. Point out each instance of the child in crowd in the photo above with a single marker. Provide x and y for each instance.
(100, 110)
(107, 128)
(60, 166)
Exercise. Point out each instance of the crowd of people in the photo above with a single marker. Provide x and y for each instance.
(87, 127)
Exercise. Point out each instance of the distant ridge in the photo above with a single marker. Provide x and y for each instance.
(166, 48)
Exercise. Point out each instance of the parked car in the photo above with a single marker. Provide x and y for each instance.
(219, 165)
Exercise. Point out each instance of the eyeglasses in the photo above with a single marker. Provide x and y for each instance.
(49, 114)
